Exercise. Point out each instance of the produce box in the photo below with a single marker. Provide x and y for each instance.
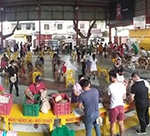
(61, 108)
(31, 109)
(5, 108)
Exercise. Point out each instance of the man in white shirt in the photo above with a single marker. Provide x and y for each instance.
(116, 93)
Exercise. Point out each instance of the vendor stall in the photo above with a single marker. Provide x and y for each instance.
(50, 117)
(20, 119)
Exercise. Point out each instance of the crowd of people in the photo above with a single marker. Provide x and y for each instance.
(119, 91)
(116, 96)
(133, 56)
(87, 98)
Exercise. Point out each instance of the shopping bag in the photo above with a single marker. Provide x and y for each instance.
(45, 106)
(63, 131)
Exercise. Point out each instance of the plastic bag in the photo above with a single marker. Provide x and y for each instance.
(45, 106)
(63, 131)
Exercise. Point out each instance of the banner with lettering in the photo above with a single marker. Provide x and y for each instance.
(122, 10)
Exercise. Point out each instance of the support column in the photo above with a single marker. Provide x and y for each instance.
(1, 30)
(1, 18)
(39, 12)
(116, 33)
(77, 40)
(77, 19)
(110, 27)
(145, 11)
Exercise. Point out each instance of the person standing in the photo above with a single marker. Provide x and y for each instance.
(135, 49)
(93, 67)
(83, 62)
(21, 50)
(70, 48)
(88, 62)
(139, 93)
(77, 90)
(90, 108)
(4, 62)
(16, 47)
(100, 49)
(58, 71)
(116, 93)
(78, 54)
(118, 65)
(13, 77)
(29, 46)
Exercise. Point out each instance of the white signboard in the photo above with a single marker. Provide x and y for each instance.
(139, 22)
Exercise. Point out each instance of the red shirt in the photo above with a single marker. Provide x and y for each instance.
(64, 68)
(36, 89)
(1, 88)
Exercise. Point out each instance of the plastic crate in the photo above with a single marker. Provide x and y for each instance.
(5, 108)
(31, 109)
(61, 108)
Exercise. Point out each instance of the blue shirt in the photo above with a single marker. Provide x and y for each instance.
(89, 99)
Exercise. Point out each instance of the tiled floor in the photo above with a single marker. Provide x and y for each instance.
(48, 76)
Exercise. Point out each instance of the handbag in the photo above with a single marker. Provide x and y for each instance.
(13, 79)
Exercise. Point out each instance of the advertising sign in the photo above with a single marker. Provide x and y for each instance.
(122, 10)
(139, 22)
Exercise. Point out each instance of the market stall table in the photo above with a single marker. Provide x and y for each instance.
(72, 118)
(16, 116)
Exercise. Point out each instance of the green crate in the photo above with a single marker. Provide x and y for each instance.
(31, 109)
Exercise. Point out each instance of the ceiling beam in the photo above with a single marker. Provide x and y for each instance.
(34, 3)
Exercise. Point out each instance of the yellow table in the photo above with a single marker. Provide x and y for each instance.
(71, 118)
(16, 116)
(105, 128)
